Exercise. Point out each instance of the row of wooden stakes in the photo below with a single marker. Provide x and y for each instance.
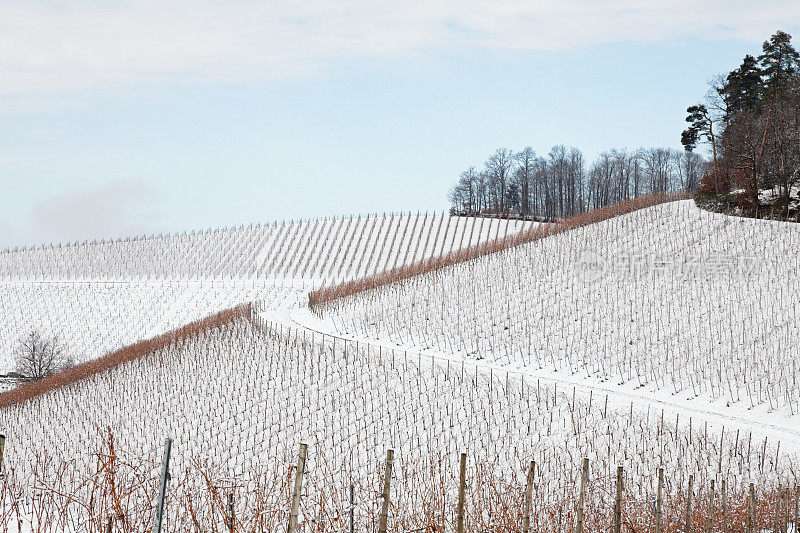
(780, 523)
(780, 526)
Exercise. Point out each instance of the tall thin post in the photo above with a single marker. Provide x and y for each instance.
(526, 523)
(748, 527)
(352, 508)
(710, 522)
(386, 484)
(784, 510)
(687, 528)
(582, 496)
(231, 514)
(751, 509)
(462, 482)
(2, 451)
(724, 508)
(618, 502)
(162, 487)
(658, 499)
(298, 487)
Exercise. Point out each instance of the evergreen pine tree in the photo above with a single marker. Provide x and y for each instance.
(779, 62)
(699, 126)
(743, 87)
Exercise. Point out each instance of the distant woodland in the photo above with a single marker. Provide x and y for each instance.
(561, 183)
(750, 120)
(748, 123)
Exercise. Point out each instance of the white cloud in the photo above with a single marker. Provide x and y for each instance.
(56, 47)
(112, 209)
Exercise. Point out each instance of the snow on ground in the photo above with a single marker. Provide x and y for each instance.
(670, 307)
(330, 249)
(98, 297)
(94, 318)
(243, 396)
(559, 349)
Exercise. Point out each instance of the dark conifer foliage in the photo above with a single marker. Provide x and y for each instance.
(751, 121)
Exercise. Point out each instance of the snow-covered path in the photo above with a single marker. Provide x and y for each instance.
(740, 341)
(774, 426)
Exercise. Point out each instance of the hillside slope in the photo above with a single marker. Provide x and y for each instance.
(97, 297)
(240, 397)
(670, 304)
(611, 340)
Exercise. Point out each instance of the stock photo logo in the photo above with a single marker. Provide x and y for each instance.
(592, 266)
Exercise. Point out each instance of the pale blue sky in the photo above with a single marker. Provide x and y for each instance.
(143, 120)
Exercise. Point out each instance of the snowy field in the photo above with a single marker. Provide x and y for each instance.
(664, 338)
(691, 311)
(320, 249)
(243, 396)
(97, 297)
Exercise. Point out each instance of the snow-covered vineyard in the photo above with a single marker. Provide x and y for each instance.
(319, 249)
(669, 303)
(97, 297)
(242, 396)
(662, 338)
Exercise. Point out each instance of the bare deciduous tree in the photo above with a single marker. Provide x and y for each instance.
(38, 356)
(561, 185)
(499, 167)
(526, 162)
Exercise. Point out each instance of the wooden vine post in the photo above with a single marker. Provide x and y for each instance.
(386, 485)
(461, 495)
(526, 523)
(785, 510)
(710, 522)
(582, 496)
(724, 508)
(618, 502)
(658, 499)
(298, 486)
(687, 528)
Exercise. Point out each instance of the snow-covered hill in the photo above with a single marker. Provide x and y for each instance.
(662, 338)
(670, 304)
(242, 396)
(319, 249)
(97, 297)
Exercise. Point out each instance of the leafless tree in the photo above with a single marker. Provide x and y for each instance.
(464, 195)
(690, 168)
(526, 161)
(743, 152)
(562, 184)
(783, 143)
(499, 166)
(558, 163)
(577, 176)
(38, 356)
(659, 164)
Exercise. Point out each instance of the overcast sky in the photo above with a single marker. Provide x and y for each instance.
(131, 117)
